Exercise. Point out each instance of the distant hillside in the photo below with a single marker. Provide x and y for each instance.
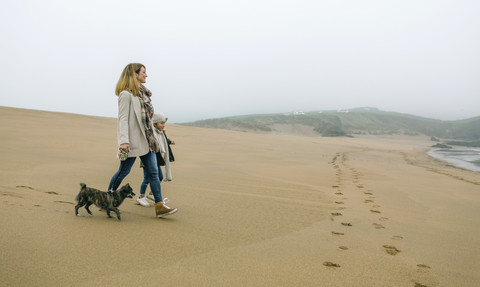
(349, 123)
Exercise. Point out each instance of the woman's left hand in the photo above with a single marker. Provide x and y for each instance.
(125, 147)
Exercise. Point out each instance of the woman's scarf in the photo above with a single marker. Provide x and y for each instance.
(147, 115)
(145, 91)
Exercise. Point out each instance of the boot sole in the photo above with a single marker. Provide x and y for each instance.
(168, 213)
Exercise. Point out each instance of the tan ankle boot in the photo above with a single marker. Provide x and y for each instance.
(162, 210)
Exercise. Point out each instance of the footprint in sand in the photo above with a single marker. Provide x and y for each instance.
(343, 247)
(11, 194)
(29, 187)
(376, 206)
(368, 192)
(392, 250)
(383, 218)
(337, 233)
(335, 186)
(336, 214)
(338, 193)
(419, 285)
(423, 266)
(378, 226)
(397, 237)
(368, 200)
(359, 186)
(346, 224)
(61, 201)
(330, 264)
(375, 211)
(24, 186)
(339, 202)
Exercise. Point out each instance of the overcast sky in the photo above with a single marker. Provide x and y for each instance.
(215, 58)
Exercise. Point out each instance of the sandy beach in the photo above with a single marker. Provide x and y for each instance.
(255, 209)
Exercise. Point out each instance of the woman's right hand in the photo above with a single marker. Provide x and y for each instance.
(125, 147)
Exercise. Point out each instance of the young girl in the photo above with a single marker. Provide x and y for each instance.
(164, 157)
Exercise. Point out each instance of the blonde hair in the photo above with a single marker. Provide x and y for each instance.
(128, 79)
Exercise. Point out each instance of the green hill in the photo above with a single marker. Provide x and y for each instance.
(349, 123)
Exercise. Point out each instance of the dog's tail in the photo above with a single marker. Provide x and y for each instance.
(82, 187)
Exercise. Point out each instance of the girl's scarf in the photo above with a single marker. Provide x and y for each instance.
(162, 145)
(147, 115)
(165, 154)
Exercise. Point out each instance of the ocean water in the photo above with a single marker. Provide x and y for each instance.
(466, 158)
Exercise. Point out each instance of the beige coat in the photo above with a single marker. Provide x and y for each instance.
(131, 129)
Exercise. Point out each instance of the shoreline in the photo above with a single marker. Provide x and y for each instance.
(458, 157)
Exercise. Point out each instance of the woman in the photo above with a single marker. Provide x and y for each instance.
(135, 132)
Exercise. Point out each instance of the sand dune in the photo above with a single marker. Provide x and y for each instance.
(254, 210)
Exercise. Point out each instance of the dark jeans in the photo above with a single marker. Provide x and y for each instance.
(146, 181)
(150, 171)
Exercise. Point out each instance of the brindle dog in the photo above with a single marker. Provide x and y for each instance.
(108, 202)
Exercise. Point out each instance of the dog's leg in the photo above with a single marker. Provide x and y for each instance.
(87, 208)
(117, 211)
(108, 213)
(80, 203)
(77, 207)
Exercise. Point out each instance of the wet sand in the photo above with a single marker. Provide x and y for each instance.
(254, 210)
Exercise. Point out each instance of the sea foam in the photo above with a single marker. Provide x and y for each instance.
(466, 158)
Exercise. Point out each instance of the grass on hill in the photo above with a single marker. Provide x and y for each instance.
(355, 121)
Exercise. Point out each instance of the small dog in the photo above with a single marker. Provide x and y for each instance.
(108, 202)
